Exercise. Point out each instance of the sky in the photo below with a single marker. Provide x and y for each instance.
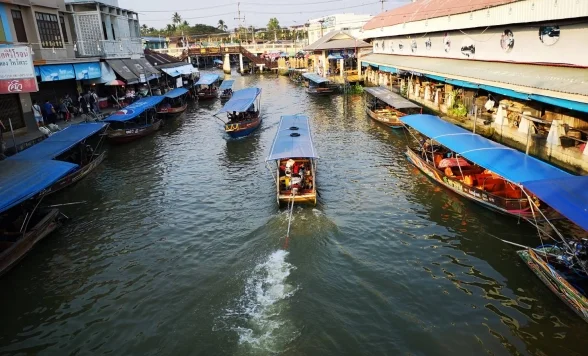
(256, 12)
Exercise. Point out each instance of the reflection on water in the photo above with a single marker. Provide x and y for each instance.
(180, 249)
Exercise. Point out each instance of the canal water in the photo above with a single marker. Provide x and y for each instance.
(180, 250)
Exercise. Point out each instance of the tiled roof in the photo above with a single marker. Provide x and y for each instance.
(428, 9)
(336, 40)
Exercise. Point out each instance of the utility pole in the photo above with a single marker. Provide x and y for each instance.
(240, 18)
(383, 1)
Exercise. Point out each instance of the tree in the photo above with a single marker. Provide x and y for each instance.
(176, 18)
(222, 26)
(144, 30)
(170, 29)
(273, 26)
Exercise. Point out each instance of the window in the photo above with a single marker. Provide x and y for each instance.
(49, 30)
(21, 33)
(63, 31)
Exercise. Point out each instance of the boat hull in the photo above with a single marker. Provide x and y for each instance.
(129, 135)
(206, 96)
(327, 91)
(242, 129)
(19, 249)
(172, 112)
(75, 176)
(307, 198)
(511, 207)
(556, 283)
(383, 119)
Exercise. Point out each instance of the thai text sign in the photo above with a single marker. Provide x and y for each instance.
(17, 73)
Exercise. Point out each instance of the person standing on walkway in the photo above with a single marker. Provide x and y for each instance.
(50, 112)
(38, 114)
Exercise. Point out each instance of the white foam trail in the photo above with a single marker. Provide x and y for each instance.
(261, 321)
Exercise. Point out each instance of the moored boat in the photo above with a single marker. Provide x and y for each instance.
(226, 89)
(22, 222)
(206, 87)
(174, 103)
(318, 85)
(387, 107)
(243, 113)
(134, 121)
(79, 144)
(295, 158)
(477, 168)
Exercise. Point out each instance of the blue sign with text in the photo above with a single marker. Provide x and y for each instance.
(89, 70)
(53, 72)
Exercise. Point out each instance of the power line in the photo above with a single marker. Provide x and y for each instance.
(243, 3)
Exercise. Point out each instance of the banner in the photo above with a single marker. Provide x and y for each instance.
(54, 72)
(89, 70)
(17, 73)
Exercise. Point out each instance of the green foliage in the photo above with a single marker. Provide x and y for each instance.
(458, 110)
(404, 91)
(176, 18)
(355, 89)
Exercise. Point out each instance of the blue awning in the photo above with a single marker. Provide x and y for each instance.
(241, 100)
(564, 103)
(207, 79)
(293, 139)
(388, 69)
(509, 163)
(226, 84)
(90, 70)
(37, 71)
(22, 180)
(217, 61)
(59, 142)
(54, 72)
(335, 56)
(107, 74)
(569, 196)
(135, 109)
(174, 93)
(313, 77)
(365, 64)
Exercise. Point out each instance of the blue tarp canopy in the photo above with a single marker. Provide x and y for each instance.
(174, 93)
(135, 109)
(509, 163)
(226, 84)
(313, 77)
(241, 100)
(207, 79)
(59, 142)
(292, 139)
(217, 61)
(568, 195)
(22, 180)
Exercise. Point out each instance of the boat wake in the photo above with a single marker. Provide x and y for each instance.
(260, 314)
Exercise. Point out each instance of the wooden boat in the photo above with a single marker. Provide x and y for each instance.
(318, 85)
(476, 168)
(79, 144)
(173, 104)
(295, 158)
(243, 114)
(226, 89)
(206, 86)
(387, 107)
(22, 223)
(134, 121)
(563, 265)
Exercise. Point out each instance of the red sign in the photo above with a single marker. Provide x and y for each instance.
(15, 86)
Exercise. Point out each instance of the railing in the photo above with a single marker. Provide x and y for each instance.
(122, 48)
(221, 48)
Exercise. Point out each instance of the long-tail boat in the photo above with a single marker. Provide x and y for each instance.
(295, 158)
(477, 168)
(562, 262)
(134, 121)
(79, 144)
(23, 223)
(226, 89)
(206, 86)
(387, 107)
(174, 103)
(243, 112)
(318, 85)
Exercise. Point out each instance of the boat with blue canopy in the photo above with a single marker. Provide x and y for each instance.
(295, 157)
(23, 223)
(174, 103)
(226, 89)
(79, 144)
(134, 121)
(206, 86)
(243, 112)
(318, 85)
(217, 63)
(387, 107)
(477, 168)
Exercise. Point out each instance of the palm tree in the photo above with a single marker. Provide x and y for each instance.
(144, 30)
(273, 26)
(176, 18)
(222, 26)
(170, 29)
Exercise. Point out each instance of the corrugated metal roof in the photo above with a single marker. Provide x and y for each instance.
(558, 79)
(428, 9)
(158, 59)
(336, 40)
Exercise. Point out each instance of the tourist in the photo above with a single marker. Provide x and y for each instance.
(49, 112)
(38, 114)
